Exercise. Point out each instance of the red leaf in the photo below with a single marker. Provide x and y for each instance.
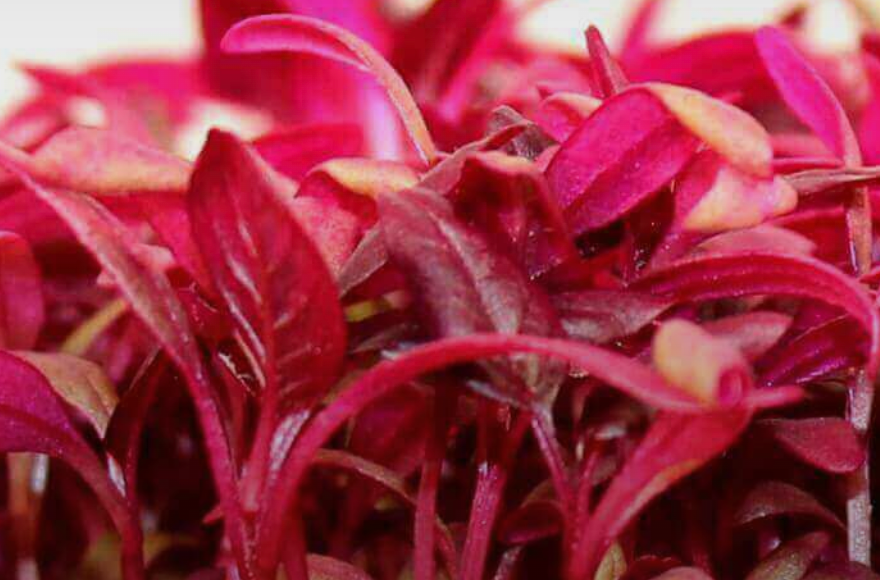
(601, 316)
(562, 113)
(712, 196)
(327, 568)
(100, 162)
(829, 443)
(843, 571)
(508, 198)
(710, 368)
(808, 96)
(815, 353)
(119, 115)
(792, 560)
(674, 447)
(465, 286)
(273, 280)
(753, 333)
(33, 419)
(21, 296)
(775, 498)
(294, 151)
(153, 299)
(748, 274)
(815, 182)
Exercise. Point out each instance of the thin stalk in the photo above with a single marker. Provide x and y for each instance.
(861, 397)
(126, 522)
(491, 481)
(542, 426)
(858, 483)
(426, 502)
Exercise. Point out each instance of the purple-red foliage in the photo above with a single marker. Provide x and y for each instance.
(466, 308)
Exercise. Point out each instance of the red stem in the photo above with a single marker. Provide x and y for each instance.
(118, 507)
(382, 379)
(487, 499)
(542, 427)
(426, 503)
(491, 482)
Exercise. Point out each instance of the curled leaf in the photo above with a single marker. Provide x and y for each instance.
(81, 383)
(292, 33)
(713, 196)
(730, 132)
(775, 498)
(792, 560)
(751, 273)
(709, 368)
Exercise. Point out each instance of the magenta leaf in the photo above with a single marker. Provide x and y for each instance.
(807, 95)
(290, 33)
(21, 296)
(153, 299)
(294, 151)
(607, 76)
(737, 275)
(829, 443)
(33, 419)
(624, 152)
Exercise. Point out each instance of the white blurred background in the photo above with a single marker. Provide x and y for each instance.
(74, 32)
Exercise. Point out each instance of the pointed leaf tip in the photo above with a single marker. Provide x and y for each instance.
(807, 94)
